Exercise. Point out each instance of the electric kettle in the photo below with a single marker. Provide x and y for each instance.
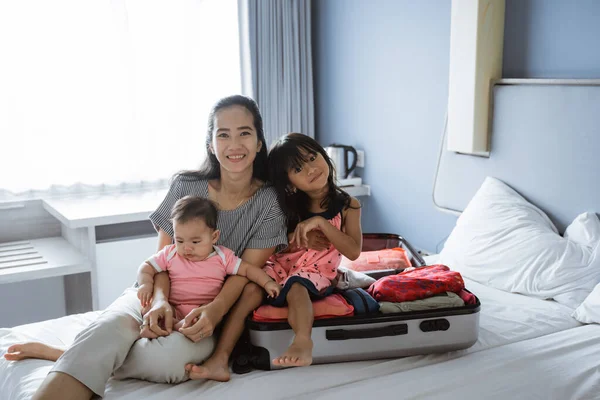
(339, 155)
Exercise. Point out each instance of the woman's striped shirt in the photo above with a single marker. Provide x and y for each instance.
(259, 223)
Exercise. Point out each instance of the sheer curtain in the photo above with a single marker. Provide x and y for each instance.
(106, 92)
(282, 86)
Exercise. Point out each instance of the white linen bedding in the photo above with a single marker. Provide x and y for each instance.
(504, 318)
(563, 365)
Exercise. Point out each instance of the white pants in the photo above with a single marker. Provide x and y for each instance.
(110, 345)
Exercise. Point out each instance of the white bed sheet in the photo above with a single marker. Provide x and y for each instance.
(504, 318)
(563, 365)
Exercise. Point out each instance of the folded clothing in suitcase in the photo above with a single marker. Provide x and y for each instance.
(372, 335)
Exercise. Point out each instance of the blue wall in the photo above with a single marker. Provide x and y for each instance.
(381, 84)
(552, 39)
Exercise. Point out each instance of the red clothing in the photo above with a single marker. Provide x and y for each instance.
(417, 284)
(468, 298)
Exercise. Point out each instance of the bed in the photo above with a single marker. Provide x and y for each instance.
(562, 365)
(528, 347)
(505, 318)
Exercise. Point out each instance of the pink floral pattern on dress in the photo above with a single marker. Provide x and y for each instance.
(320, 267)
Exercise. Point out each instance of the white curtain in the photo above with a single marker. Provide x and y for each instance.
(277, 63)
(105, 92)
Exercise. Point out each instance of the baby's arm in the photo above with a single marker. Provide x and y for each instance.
(259, 277)
(145, 280)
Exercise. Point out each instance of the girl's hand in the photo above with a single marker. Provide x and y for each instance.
(273, 289)
(159, 320)
(200, 323)
(144, 293)
(300, 237)
(317, 241)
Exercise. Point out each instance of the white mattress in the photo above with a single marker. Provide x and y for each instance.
(504, 319)
(563, 365)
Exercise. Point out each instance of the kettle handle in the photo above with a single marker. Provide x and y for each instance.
(355, 159)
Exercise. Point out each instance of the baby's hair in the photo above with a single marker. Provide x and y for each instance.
(292, 151)
(193, 207)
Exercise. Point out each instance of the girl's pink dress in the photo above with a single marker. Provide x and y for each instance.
(320, 267)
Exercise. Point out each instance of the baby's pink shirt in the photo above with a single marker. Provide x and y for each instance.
(194, 283)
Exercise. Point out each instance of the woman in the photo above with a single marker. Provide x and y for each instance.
(252, 225)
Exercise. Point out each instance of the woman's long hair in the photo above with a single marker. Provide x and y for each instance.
(210, 167)
(290, 152)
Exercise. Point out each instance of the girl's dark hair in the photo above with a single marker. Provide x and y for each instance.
(193, 207)
(289, 152)
(210, 168)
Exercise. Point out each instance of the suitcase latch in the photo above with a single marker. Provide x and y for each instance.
(432, 325)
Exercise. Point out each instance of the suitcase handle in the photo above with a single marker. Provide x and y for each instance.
(345, 334)
(419, 260)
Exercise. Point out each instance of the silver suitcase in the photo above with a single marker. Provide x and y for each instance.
(371, 336)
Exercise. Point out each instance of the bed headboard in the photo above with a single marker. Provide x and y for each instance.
(545, 144)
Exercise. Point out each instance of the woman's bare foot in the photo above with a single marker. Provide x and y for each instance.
(299, 354)
(216, 368)
(41, 351)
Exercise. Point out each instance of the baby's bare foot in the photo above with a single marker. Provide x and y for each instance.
(41, 351)
(215, 368)
(299, 354)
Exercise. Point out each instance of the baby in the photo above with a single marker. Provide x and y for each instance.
(197, 267)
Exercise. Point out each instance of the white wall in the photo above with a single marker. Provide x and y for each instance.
(31, 301)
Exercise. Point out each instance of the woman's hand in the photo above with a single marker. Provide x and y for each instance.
(200, 323)
(158, 321)
(300, 237)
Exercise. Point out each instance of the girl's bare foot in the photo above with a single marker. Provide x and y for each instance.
(216, 368)
(41, 351)
(299, 354)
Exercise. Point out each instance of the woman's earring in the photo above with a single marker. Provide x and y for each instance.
(290, 190)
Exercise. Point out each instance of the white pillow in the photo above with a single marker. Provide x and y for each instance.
(503, 241)
(589, 311)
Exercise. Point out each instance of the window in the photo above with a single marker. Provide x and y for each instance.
(106, 92)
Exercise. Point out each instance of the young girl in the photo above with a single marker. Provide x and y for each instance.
(323, 226)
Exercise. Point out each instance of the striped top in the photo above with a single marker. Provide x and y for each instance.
(259, 223)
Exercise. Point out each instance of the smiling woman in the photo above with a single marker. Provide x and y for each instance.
(84, 80)
(234, 139)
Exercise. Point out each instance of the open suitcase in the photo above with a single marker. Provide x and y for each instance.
(372, 336)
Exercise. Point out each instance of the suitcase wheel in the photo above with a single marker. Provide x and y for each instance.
(241, 365)
(257, 358)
